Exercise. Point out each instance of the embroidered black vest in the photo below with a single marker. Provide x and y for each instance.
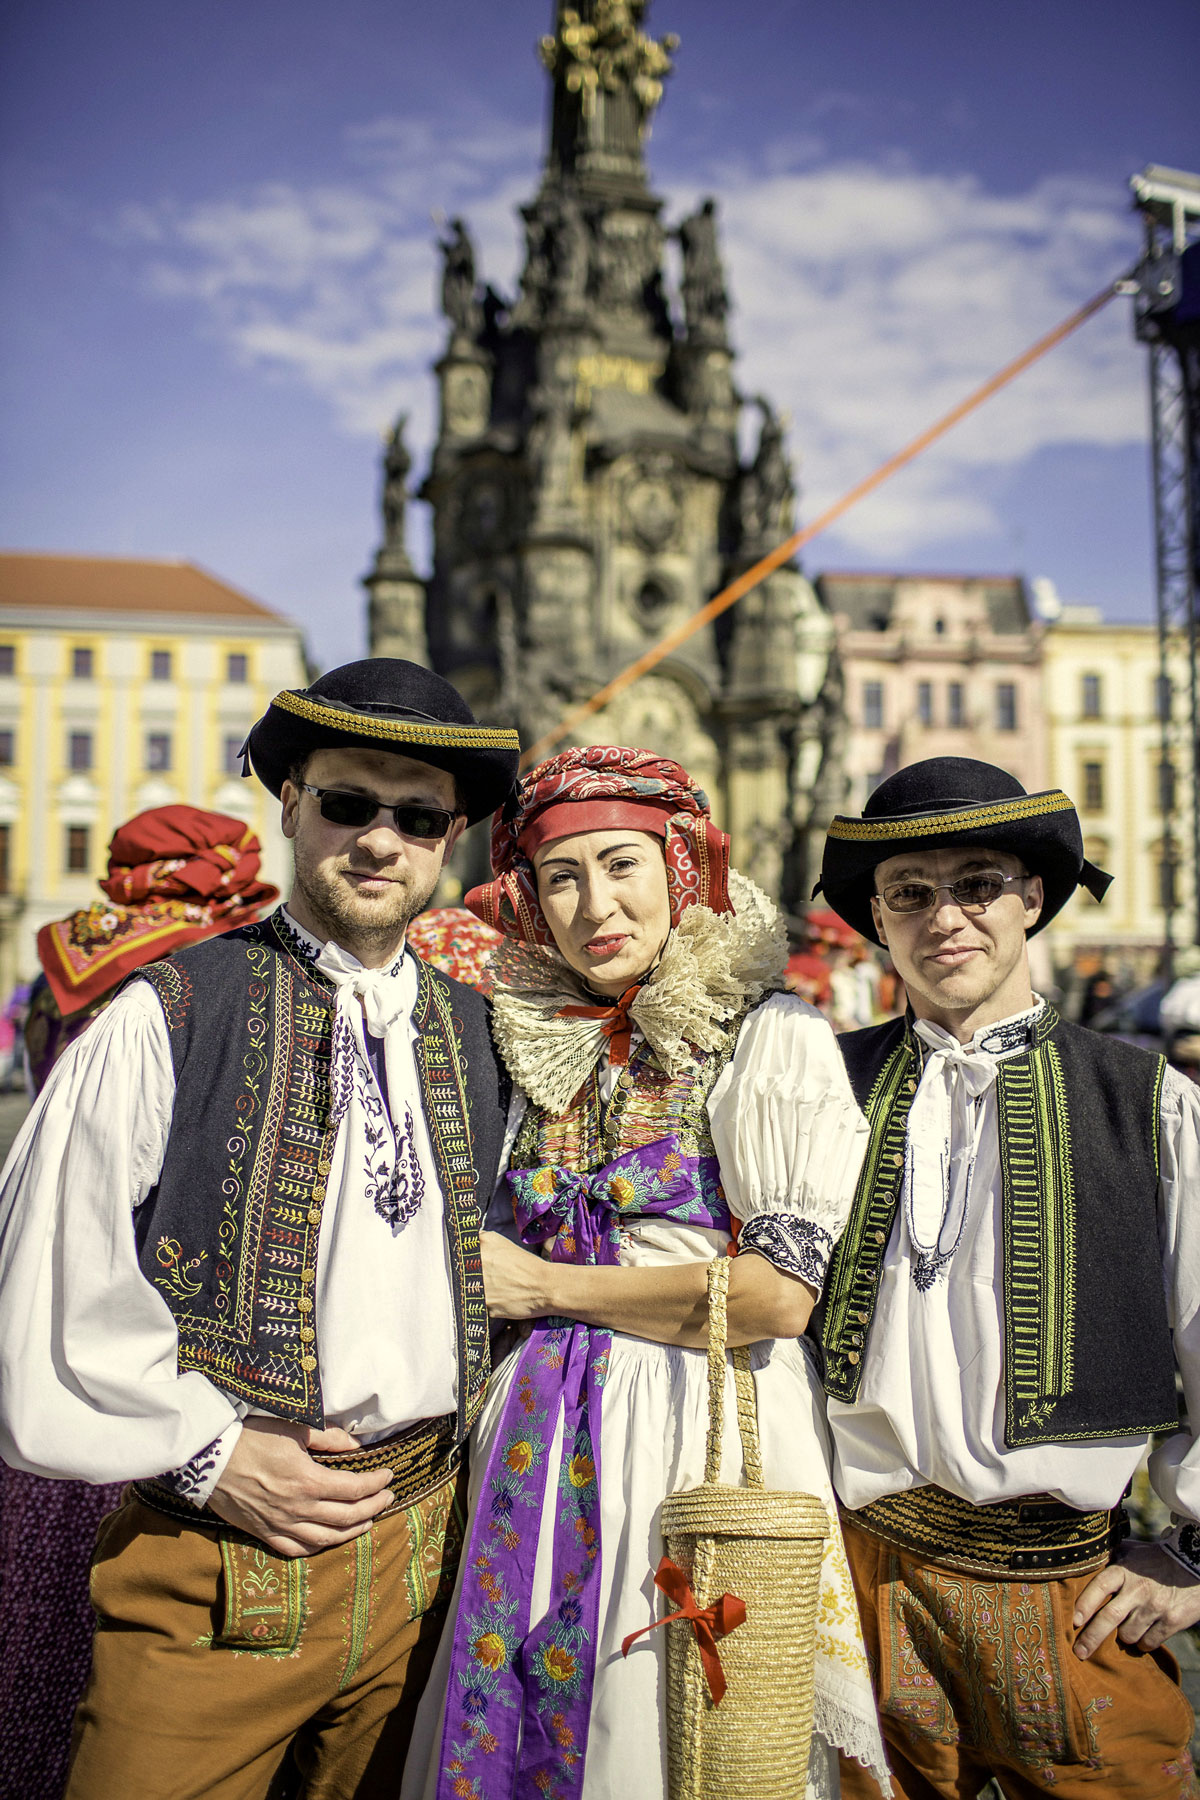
(1087, 1346)
(229, 1235)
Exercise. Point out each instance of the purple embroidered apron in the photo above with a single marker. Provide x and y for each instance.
(518, 1700)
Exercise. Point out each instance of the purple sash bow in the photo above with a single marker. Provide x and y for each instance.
(518, 1700)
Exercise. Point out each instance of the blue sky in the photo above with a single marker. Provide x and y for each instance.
(218, 270)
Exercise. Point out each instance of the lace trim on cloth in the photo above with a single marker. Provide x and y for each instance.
(713, 967)
(842, 1726)
(795, 1246)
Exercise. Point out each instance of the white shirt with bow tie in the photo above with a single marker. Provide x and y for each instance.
(89, 1382)
(930, 1404)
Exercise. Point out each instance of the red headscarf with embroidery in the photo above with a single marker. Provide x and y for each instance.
(176, 874)
(601, 787)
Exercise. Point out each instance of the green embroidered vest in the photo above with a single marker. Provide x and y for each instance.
(230, 1233)
(1087, 1346)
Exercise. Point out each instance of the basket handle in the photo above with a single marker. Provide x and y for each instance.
(747, 1410)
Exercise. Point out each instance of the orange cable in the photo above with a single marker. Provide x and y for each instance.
(751, 577)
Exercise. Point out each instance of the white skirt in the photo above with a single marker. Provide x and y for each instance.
(652, 1440)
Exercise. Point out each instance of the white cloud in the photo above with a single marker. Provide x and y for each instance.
(869, 298)
(872, 299)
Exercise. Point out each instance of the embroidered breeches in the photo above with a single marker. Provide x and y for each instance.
(977, 1677)
(215, 1660)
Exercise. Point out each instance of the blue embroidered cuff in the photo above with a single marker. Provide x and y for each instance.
(1183, 1543)
(195, 1480)
(796, 1246)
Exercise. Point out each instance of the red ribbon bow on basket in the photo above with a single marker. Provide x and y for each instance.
(615, 1025)
(708, 1623)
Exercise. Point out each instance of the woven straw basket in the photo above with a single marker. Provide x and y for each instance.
(765, 1547)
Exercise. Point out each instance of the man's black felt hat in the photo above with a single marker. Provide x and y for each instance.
(384, 703)
(952, 802)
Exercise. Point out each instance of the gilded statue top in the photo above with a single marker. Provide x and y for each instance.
(609, 51)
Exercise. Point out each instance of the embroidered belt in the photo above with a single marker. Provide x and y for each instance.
(422, 1457)
(1033, 1538)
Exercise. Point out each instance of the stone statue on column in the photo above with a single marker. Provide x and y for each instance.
(705, 300)
(768, 491)
(396, 466)
(459, 302)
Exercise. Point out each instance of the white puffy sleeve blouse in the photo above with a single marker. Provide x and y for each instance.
(789, 1136)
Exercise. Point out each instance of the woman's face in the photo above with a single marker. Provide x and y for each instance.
(604, 894)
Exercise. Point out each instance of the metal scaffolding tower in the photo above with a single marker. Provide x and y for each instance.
(1166, 290)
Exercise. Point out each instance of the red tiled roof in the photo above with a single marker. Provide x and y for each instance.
(118, 584)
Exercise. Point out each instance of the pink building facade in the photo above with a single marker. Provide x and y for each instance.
(937, 665)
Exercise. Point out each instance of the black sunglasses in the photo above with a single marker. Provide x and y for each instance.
(359, 810)
(971, 893)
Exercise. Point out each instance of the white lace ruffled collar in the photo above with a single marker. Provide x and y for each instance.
(713, 967)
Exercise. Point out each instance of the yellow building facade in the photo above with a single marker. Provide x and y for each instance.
(124, 685)
(1104, 701)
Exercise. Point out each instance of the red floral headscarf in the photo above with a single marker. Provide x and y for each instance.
(599, 788)
(176, 874)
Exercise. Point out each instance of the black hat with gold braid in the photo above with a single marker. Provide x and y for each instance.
(952, 802)
(385, 703)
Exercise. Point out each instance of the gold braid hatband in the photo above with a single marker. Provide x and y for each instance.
(403, 731)
(965, 818)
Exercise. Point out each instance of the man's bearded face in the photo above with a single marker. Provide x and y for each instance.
(360, 885)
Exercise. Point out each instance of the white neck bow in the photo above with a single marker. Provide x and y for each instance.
(942, 1137)
(385, 994)
(383, 1134)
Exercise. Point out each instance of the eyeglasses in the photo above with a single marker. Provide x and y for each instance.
(973, 893)
(360, 810)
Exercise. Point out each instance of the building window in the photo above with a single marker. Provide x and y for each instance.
(8, 749)
(81, 663)
(5, 858)
(939, 627)
(237, 667)
(1006, 706)
(925, 702)
(8, 659)
(232, 761)
(1166, 787)
(872, 780)
(78, 857)
(1090, 697)
(1093, 787)
(160, 665)
(1166, 876)
(872, 705)
(955, 714)
(1162, 696)
(79, 751)
(158, 751)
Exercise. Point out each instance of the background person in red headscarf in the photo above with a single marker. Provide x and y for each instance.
(666, 1089)
(175, 875)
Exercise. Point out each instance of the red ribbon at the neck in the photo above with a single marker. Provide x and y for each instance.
(614, 1022)
(708, 1623)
